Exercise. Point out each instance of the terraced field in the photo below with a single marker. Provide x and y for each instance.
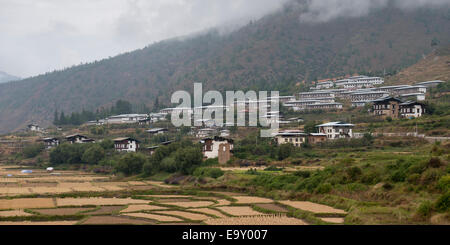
(77, 198)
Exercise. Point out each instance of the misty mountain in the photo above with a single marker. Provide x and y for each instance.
(5, 77)
(277, 52)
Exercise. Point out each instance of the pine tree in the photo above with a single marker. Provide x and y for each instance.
(55, 118)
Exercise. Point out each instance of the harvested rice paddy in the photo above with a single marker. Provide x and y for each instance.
(239, 211)
(114, 220)
(106, 210)
(186, 215)
(256, 220)
(98, 201)
(61, 211)
(38, 222)
(250, 199)
(163, 218)
(209, 211)
(143, 207)
(313, 207)
(272, 207)
(13, 213)
(333, 220)
(193, 204)
(22, 203)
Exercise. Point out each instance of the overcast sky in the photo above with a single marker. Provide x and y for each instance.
(37, 36)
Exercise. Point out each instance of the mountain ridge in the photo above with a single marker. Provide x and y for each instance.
(5, 77)
(277, 52)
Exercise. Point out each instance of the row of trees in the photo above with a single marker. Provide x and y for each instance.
(181, 157)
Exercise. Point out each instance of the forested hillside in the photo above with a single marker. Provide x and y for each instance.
(276, 52)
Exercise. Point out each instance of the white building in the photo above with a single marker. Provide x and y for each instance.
(34, 127)
(433, 83)
(126, 118)
(155, 131)
(217, 147)
(336, 130)
(126, 144)
(78, 139)
(412, 109)
(294, 137)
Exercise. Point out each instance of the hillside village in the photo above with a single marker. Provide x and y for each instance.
(363, 136)
(385, 102)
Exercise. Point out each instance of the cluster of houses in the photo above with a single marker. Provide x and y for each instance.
(327, 131)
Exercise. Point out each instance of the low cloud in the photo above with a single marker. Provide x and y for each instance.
(325, 10)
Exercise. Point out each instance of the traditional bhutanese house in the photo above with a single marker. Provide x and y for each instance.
(386, 107)
(412, 109)
(218, 147)
(155, 131)
(50, 142)
(126, 144)
(294, 137)
(79, 139)
(336, 130)
(151, 150)
(34, 127)
(315, 138)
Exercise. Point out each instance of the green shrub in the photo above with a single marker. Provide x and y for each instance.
(131, 163)
(444, 183)
(303, 174)
(430, 175)
(273, 168)
(398, 176)
(413, 179)
(425, 209)
(208, 172)
(370, 178)
(353, 173)
(93, 154)
(33, 150)
(169, 165)
(443, 203)
(434, 162)
(323, 188)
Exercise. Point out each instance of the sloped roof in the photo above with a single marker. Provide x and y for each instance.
(331, 124)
